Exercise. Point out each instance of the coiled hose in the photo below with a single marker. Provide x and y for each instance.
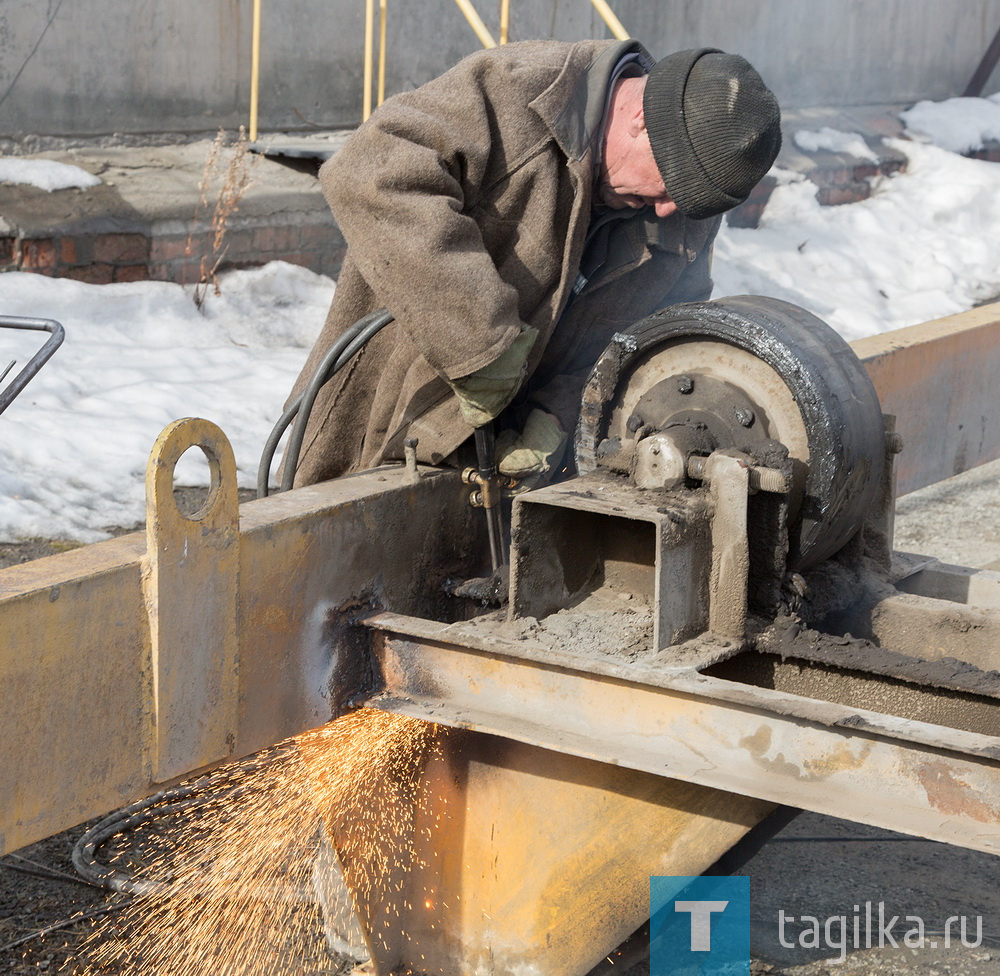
(164, 803)
(348, 344)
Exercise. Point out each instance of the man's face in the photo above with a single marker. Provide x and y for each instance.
(631, 179)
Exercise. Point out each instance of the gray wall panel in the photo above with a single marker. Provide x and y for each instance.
(136, 66)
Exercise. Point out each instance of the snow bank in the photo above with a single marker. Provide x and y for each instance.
(46, 174)
(922, 246)
(833, 140)
(74, 444)
(959, 124)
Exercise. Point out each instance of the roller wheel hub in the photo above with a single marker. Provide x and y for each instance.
(748, 373)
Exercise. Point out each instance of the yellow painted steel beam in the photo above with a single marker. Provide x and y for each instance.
(517, 858)
(255, 71)
(609, 18)
(84, 731)
(383, 19)
(476, 23)
(939, 379)
(366, 109)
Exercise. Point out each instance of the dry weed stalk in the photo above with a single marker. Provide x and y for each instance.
(236, 178)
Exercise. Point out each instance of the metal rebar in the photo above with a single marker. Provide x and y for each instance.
(21, 380)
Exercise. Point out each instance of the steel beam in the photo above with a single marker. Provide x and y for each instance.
(939, 380)
(832, 758)
(97, 694)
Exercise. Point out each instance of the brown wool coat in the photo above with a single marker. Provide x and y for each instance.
(466, 205)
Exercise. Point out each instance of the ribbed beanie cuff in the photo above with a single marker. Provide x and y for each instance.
(714, 128)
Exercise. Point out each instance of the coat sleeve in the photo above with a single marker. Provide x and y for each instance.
(401, 191)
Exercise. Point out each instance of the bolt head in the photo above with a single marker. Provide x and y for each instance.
(685, 384)
(634, 423)
(744, 417)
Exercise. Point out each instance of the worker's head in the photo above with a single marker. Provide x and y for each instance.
(695, 135)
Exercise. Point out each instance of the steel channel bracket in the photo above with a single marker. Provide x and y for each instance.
(931, 781)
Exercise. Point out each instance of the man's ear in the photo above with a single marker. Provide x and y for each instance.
(637, 122)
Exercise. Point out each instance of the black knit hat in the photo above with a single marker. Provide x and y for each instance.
(714, 127)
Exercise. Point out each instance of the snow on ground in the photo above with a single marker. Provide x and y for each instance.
(833, 140)
(46, 174)
(137, 356)
(924, 245)
(959, 124)
(74, 444)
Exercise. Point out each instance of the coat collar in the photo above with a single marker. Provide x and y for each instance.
(573, 105)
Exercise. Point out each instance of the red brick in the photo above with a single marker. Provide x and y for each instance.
(747, 214)
(37, 255)
(318, 235)
(67, 251)
(183, 272)
(121, 248)
(173, 248)
(239, 244)
(93, 274)
(834, 196)
(264, 239)
(275, 241)
(131, 272)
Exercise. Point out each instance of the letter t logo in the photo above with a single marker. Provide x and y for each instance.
(701, 921)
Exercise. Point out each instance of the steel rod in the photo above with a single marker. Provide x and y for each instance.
(19, 382)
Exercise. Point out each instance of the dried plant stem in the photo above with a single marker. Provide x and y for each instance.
(235, 178)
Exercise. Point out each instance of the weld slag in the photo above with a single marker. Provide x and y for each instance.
(873, 927)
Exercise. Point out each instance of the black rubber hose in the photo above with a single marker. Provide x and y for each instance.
(163, 803)
(339, 354)
(85, 850)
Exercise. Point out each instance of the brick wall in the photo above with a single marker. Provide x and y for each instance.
(173, 252)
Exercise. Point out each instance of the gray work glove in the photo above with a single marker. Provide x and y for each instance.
(535, 451)
(484, 393)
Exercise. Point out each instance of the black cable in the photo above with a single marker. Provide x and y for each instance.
(63, 924)
(338, 355)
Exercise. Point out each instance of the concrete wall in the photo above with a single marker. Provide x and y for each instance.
(91, 67)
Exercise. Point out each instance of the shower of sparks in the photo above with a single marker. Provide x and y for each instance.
(250, 883)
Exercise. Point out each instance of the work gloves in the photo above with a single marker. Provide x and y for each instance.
(533, 453)
(484, 393)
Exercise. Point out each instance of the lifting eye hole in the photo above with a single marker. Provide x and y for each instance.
(194, 503)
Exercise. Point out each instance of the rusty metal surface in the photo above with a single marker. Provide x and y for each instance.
(592, 533)
(533, 861)
(729, 480)
(936, 782)
(957, 584)
(76, 654)
(933, 629)
(940, 381)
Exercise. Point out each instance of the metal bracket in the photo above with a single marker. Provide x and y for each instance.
(190, 582)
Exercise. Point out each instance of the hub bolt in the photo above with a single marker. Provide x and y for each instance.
(744, 416)
(685, 384)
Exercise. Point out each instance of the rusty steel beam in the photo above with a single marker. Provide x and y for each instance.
(939, 380)
(956, 584)
(103, 699)
(934, 782)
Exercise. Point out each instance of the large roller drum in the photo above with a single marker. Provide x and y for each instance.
(748, 373)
